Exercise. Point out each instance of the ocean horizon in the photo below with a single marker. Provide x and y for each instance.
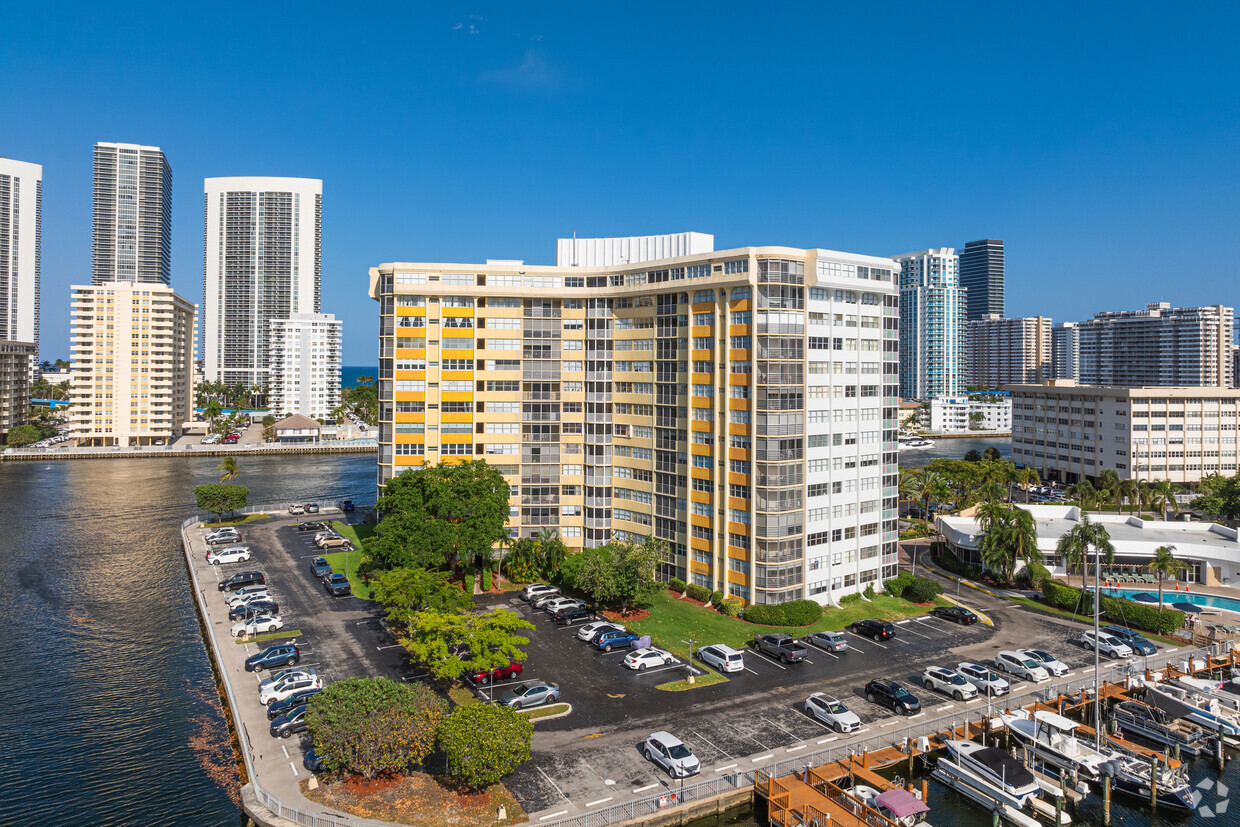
(349, 374)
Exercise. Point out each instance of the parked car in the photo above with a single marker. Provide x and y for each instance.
(327, 531)
(296, 510)
(956, 614)
(530, 693)
(319, 567)
(949, 682)
(1108, 645)
(534, 591)
(987, 681)
(556, 603)
(231, 440)
(286, 654)
(893, 696)
(592, 630)
(232, 554)
(615, 639)
(226, 531)
(345, 505)
(785, 648)
(312, 762)
(253, 608)
(571, 614)
(722, 657)
(241, 580)
(1022, 666)
(292, 721)
(1046, 660)
(831, 641)
(336, 541)
(312, 508)
(284, 674)
(246, 593)
(277, 708)
(876, 629)
(257, 626)
(831, 712)
(499, 673)
(312, 525)
(337, 585)
(1135, 641)
(672, 754)
(290, 685)
(225, 539)
(542, 601)
(643, 659)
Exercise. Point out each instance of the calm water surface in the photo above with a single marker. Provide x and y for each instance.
(953, 449)
(110, 715)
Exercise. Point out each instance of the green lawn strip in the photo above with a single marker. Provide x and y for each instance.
(672, 621)
(235, 521)
(355, 533)
(544, 711)
(462, 695)
(268, 636)
(1088, 619)
(338, 559)
(682, 685)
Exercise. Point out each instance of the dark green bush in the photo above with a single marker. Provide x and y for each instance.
(698, 593)
(764, 614)
(1038, 573)
(716, 598)
(1067, 598)
(897, 585)
(869, 592)
(800, 612)
(850, 598)
(923, 590)
(731, 606)
(486, 579)
(1142, 616)
(677, 585)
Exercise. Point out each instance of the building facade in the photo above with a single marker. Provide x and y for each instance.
(304, 364)
(262, 261)
(131, 232)
(1161, 345)
(610, 252)
(740, 405)
(132, 347)
(975, 412)
(1004, 351)
(981, 274)
(15, 381)
(1068, 431)
(932, 324)
(21, 242)
(1065, 351)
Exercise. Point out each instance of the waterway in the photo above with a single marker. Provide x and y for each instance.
(110, 715)
(953, 449)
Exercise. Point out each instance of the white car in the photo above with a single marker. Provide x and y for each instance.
(1021, 666)
(644, 659)
(948, 682)
(722, 657)
(986, 680)
(831, 712)
(292, 671)
(216, 534)
(1046, 660)
(590, 629)
(296, 509)
(257, 625)
(281, 689)
(672, 754)
(1108, 645)
(555, 604)
(232, 554)
(244, 594)
(537, 591)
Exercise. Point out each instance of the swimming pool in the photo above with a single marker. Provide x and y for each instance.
(1213, 601)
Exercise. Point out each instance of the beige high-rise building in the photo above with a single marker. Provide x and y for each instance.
(740, 405)
(1007, 351)
(132, 347)
(14, 383)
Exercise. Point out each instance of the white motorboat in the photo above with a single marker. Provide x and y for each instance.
(1194, 706)
(1152, 723)
(991, 797)
(1131, 775)
(1012, 781)
(915, 442)
(1049, 736)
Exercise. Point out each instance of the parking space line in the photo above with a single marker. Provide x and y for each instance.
(649, 787)
(864, 729)
(827, 740)
(944, 707)
(394, 646)
(919, 634)
(824, 651)
(600, 801)
(875, 642)
(660, 669)
(784, 728)
(756, 741)
(889, 723)
(918, 715)
(747, 669)
(294, 766)
(725, 768)
(284, 750)
(905, 620)
(553, 784)
(768, 659)
(709, 744)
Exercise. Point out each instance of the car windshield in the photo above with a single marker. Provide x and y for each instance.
(1040, 655)
(900, 692)
(679, 751)
(956, 679)
(836, 708)
(523, 689)
(1029, 664)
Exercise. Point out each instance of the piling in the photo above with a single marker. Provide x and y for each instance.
(1153, 782)
(1106, 800)
(1218, 751)
(1058, 810)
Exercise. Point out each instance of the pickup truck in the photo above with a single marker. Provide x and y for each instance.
(785, 647)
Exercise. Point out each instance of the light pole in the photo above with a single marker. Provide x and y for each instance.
(689, 667)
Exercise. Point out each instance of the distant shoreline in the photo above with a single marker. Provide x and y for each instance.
(969, 435)
(18, 455)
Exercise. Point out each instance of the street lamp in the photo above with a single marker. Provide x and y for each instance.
(688, 666)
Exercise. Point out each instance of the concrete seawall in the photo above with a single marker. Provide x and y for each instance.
(164, 453)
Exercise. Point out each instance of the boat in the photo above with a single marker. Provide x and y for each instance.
(898, 806)
(1013, 782)
(1131, 775)
(1049, 736)
(1226, 693)
(995, 798)
(1194, 706)
(1154, 724)
(914, 442)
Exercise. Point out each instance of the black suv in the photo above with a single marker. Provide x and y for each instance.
(877, 629)
(337, 585)
(253, 609)
(277, 708)
(957, 614)
(893, 696)
(282, 654)
(312, 525)
(320, 567)
(245, 578)
(571, 614)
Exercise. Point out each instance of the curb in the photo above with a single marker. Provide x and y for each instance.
(982, 616)
(563, 714)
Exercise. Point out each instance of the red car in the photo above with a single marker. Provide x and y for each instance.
(230, 440)
(510, 671)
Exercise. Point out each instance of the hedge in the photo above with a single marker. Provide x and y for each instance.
(731, 606)
(677, 585)
(699, 593)
(716, 598)
(923, 590)
(1128, 612)
(897, 585)
(793, 613)
(486, 579)
(850, 598)
(955, 565)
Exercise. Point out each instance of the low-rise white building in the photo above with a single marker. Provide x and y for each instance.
(1212, 551)
(303, 363)
(962, 414)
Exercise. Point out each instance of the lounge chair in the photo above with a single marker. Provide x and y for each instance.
(1149, 578)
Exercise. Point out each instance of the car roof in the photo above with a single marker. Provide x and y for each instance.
(725, 649)
(666, 738)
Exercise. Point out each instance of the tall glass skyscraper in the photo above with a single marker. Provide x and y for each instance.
(21, 217)
(131, 238)
(981, 273)
(932, 324)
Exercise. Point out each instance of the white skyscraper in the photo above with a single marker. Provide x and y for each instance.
(932, 324)
(304, 364)
(261, 262)
(21, 221)
(131, 233)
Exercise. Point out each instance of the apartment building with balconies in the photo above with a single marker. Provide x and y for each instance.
(1003, 351)
(1160, 345)
(933, 313)
(15, 360)
(131, 230)
(21, 242)
(303, 358)
(740, 405)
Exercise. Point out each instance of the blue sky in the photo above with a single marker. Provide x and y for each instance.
(1098, 140)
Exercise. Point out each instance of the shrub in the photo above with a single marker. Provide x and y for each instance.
(1150, 618)
(869, 592)
(764, 614)
(698, 593)
(897, 585)
(800, 612)
(850, 598)
(730, 606)
(486, 578)
(1038, 573)
(677, 585)
(716, 598)
(1067, 598)
(483, 743)
(923, 590)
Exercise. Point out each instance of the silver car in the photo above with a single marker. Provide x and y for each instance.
(530, 693)
(987, 681)
(672, 754)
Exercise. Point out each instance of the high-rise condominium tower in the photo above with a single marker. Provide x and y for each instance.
(21, 237)
(131, 237)
(1159, 346)
(261, 262)
(981, 273)
(1065, 351)
(740, 405)
(304, 364)
(1005, 351)
(932, 324)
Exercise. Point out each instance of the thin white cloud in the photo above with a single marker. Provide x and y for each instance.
(533, 72)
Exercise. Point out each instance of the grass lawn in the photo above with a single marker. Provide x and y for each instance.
(544, 711)
(268, 636)
(711, 677)
(234, 521)
(348, 561)
(672, 621)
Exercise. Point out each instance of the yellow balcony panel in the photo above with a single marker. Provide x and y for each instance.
(738, 502)
(738, 453)
(702, 330)
(457, 417)
(455, 439)
(737, 528)
(738, 354)
(456, 396)
(701, 450)
(456, 375)
(410, 311)
(738, 479)
(702, 402)
(738, 404)
(698, 519)
(700, 568)
(410, 439)
(741, 304)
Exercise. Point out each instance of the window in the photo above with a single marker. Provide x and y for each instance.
(741, 342)
(703, 296)
(458, 364)
(741, 317)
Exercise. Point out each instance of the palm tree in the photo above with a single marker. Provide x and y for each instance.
(1097, 538)
(1165, 564)
(1130, 491)
(1009, 535)
(1022, 536)
(1083, 492)
(551, 550)
(991, 492)
(212, 412)
(1162, 498)
(1072, 548)
(229, 466)
(1109, 480)
(910, 484)
(1026, 476)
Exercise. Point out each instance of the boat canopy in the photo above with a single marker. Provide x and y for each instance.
(901, 803)
(1172, 706)
(1055, 720)
(1003, 765)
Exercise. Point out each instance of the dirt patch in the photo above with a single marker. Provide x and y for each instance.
(418, 798)
(633, 614)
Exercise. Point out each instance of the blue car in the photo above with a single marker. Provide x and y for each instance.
(346, 505)
(282, 654)
(311, 761)
(614, 640)
(1135, 642)
(320, 567)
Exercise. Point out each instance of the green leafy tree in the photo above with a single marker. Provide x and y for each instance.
(973, 455)
(624, 574)
(371, 726)
(521, 562)
(1009, 536)
(221, 499)
(1165, 564)
(483, 743)
(452, 644)
(439, 514)
(551, 551)
(228, 466)
(20, 435)
(1221, 497)
(991, 453)
(405, 592)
